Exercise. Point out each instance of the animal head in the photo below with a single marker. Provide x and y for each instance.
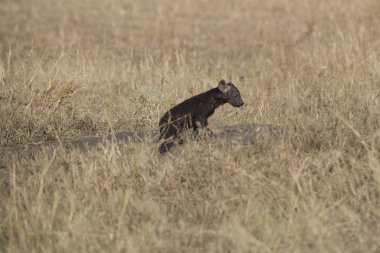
(230, 93)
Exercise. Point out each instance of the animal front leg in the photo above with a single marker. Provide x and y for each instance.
(196, 126)
(205, 130)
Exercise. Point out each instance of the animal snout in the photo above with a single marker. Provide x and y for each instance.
(237, 103)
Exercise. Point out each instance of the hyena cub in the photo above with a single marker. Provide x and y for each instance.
(194, 112)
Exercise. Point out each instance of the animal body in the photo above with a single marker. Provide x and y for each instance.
(194, 112)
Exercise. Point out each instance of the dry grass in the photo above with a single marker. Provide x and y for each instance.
(77, 68)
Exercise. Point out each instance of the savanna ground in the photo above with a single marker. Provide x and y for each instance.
(89, 68)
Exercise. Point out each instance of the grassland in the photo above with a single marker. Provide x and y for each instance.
(71, 68)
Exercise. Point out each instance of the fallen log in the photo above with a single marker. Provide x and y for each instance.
(245, 134)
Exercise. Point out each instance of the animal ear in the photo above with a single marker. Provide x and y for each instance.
(223, 86)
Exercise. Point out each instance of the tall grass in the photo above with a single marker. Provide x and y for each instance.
(71, 69)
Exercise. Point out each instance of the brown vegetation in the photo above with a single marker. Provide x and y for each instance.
(71, 69)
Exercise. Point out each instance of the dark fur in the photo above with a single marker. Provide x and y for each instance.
(194, 112)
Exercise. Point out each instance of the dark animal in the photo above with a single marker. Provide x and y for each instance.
(194, 112)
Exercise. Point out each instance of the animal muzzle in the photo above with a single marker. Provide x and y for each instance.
(239, 104)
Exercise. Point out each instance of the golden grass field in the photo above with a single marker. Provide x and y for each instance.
(71, 69)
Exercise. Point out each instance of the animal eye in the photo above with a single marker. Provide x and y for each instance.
(235, 95)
